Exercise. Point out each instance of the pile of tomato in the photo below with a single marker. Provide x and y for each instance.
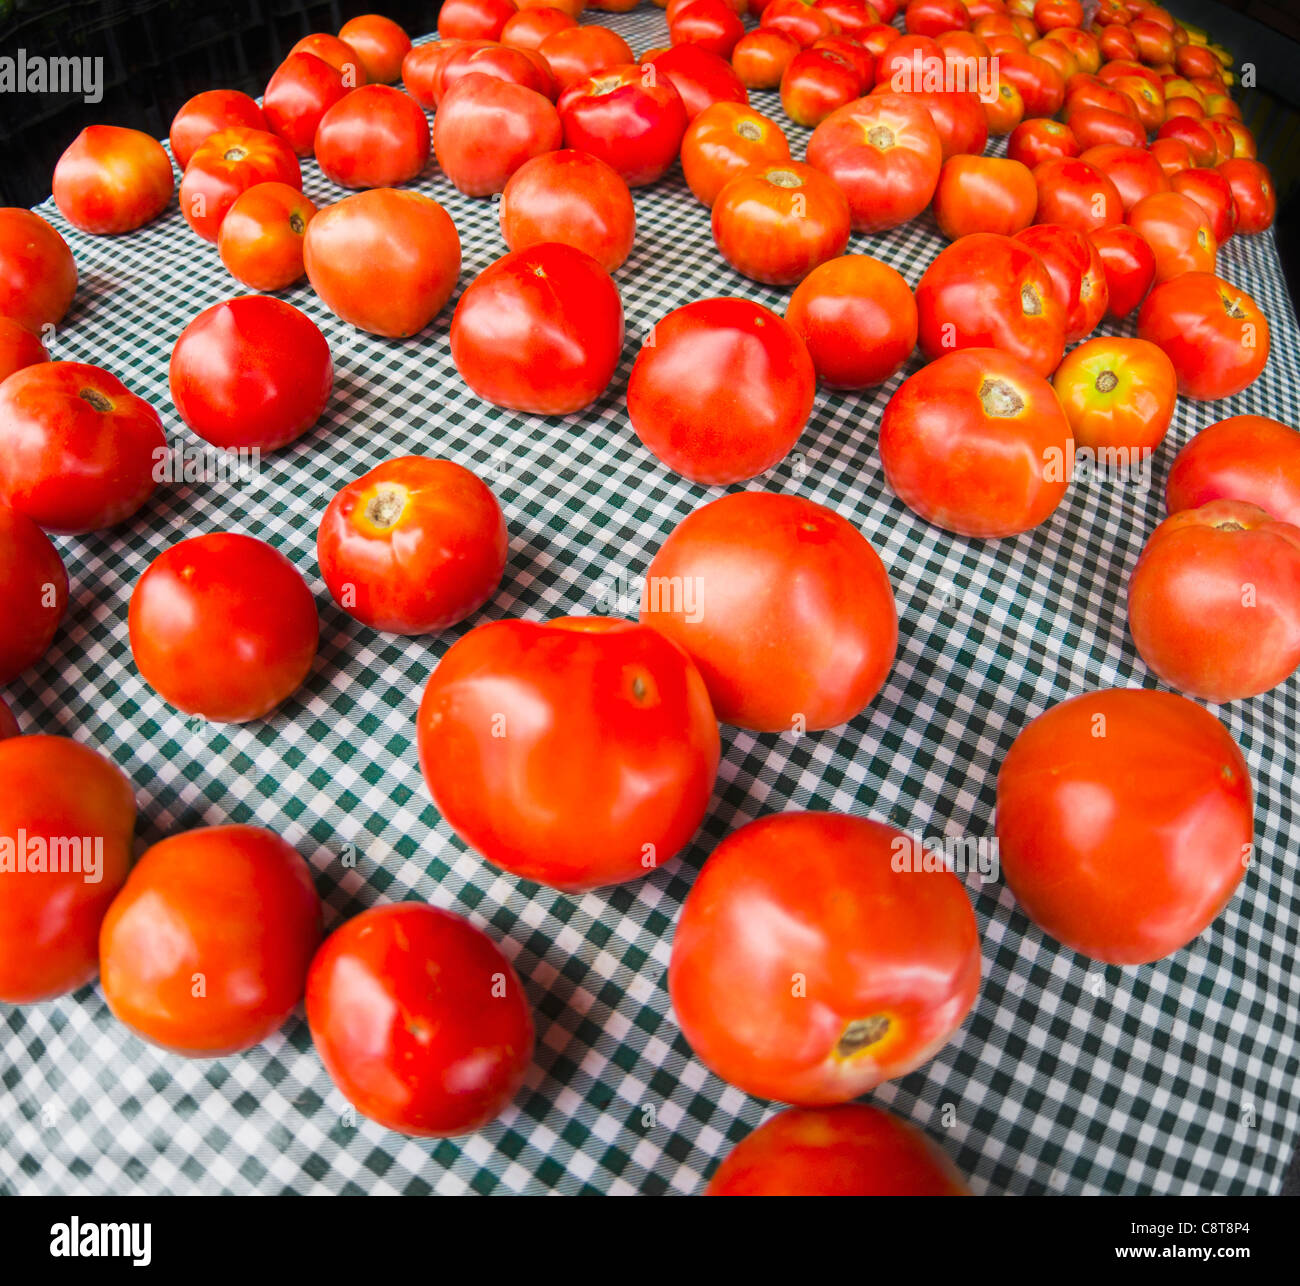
(813, 958)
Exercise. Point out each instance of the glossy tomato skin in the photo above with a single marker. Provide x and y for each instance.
(1135, 173)
(227, 164)
(380, 44)
(375, 137)
(1078, 277)
(723, 392)
(889, 959)
(38, 276)
(711, 24)
(1213, 193)
(611, 752)
(383, 260)
(1117, 393)
(261, 237)
(848, 1151)
(19, 347)
(725, 140)
(815, 83)
(56, 789)
(78, 449)
(760, 57)
(1129, 264)
(8, 724)
(984, 194)
(301, 90)
(1178, 232)
(977, 443)
(1074, 193)
(337, 53)
(223, 626)
(33, 593)
(1124, 822)
(474, 19)
(413, 546)
(773, 661)
(209, 113)
(1245, 457)
(112, 180)
(520, 67)
(419, 1019)
(1033, 142)
(252, 372)
(539, 330)
(234, 905)
(529, 27)
(575, 53)
(1253, 194)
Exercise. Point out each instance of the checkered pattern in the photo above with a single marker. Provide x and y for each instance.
(1068, 1077)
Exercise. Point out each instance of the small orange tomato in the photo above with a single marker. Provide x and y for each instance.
(261, 237)
(725, 139)
(984, 194)
(1117, 393)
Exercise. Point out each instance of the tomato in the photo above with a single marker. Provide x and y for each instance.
(1006, 110)
(848, 1151)
(78, 449)
(67, 816)
(710, 24)
(760, 57)
(904, 64)
(383, 260)
(1253, 194)
(112, 180)
(933, 17)
(301, 90)
(1171, 154)
(223, 626)
(19, 347)
(1092, 94)
(887, 961)
(1213, 193)
(8, 724)
(261, 237)
(227, 164)
(852, 17)
(251, 373)
(1072, 192)
(207, 114)
(1033, 142)
(721, 391)
(879, 35)
(1129, 264)
(335, 51)
(1246, 457)
(1082, 45)
(474, 19)
(375, 137)
(529, 27)
(958, 117)
(1078, 277)
(1147, 98)
(1181, 105)
(33, 593)
(1178, 232)
(205, 950)
(701, 78)
(1117, 44)
(984, 194)
(519, 66)
(1243, 142)
(798, 20)
(1041, 86)
(1197, 138)
(816, 82)
(419, 1019)
(38, 276)
(380, 44)
(986, 290)
(422, 68)
(575, 54)
(1133, 170)
(857, 55)
(611, 755)
(723, 141)
(1117, 394)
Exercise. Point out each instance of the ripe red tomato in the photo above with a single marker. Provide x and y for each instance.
(701, 78)
(112, 180)
(710, 24)
(223, 626)
(1215, 335)
(261, 237)
(1051, 14)
(529, 27)
(422, 68)
(1129, 264)
(849, 1151)
(1005, 111)
(984, 194)
(608, 759)
(1124, 822)
(78, 449)
(1033, 142)
(885, 962)
(1117, 393)
(1078, 277)
(474, 19)
(301, 90)
(380, 44)
(205, 951)
(1178, 232)
(335, 51)
(520, 67)
(67, 816)
(413, 546)
(1246, 457)
(1135, 173)
(1194, 135)
(1171, 154)
(252, 372)
(772, 661)
(375, 137)
(383, 260)
(19, 347)
(38, 276)
(1213, 193)
(800, 21)
(815, 83)
(576, 53)
(539, 330)
(33, 593)
(1253, 194)
(977, 443)
(760, 57)
(958, 117)
(1073, 193)
(227, 164)
(721, 391)
(853, 17)
(419, 1019)
(986, 291)
(934, 17)
(209, 113)
(723, 141)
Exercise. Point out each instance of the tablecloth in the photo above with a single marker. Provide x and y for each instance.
(1068, 1077)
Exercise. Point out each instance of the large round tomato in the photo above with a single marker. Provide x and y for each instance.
(223, 626)
(1078, 277)
(1178, 232)
(575, 53)
(984, 194)
(721, 391)
(335, 51)
(1117, 393)
(539, 330)
(529, 27)
(375, 137)
(33, 593)
(1124, 822)
(1039, 140)
(19, 347)
(205, 951)
(209, 113)
(1213, 193)
(227, 164)
(1072, 192)
(1135, 173)
(112, 180)
(1253, 194)
(577, 753)
(301, 90)
(419, 1019)
(38, 276)
(520, 67)
(701, 78)
(815, 83)
(774, 661)
(67, 816)
(723, 141)
(1245, 457)
(812, 960)
(384, 260)
(380, 44)
(977, 443)
(261, 237)
(1129, 264)
(78, 449)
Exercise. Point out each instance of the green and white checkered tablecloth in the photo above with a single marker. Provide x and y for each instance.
(1177, 1077)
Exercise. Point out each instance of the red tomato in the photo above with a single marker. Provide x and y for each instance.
(1041, 86)
(575, 54)
(1033, 142)
(232, 906)
(721, 391)
(611, 752)
(850, 1151)
(815, 83)
(1178, 232)
(1171, 154)
(474, 19)
(773, 661)
(419, 1019)
(889, 960)
(985, 291)
(710, 24)
(798, 20)
(19, 348)
(539, 330)
(958, 117)
(760, 57)
(33, 593)
(857, 55)
(335, 51)
(1124, 822)
(209, 113)
(852, 17)
(227, 164)
(1078, 277)
(1051, 14)
(1197, 138)
(977, 443)
(413, 546)
(723, 141)
(1006, 110)
(934, 17)
(529, 27)
(8, 724)
(1253, 194)
(1129, 264)
(701, 78)
(38, 276)
(67, 816)
(1117, 394)
(1245, 457)
(223, 626)
(261, 237)
(112, 180)
(383, 260)
(903, 65)
(984, 194)
(375, 137)
(1075, 194)
(518, 66)
(422, 68)
(301, 90)
(1135, 173)
(78, 449)
(1213, 193)
(251, 373)
(380, 44)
